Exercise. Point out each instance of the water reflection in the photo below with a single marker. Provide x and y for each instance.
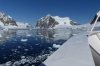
(53, 35)
(8, 35)
(21, 47)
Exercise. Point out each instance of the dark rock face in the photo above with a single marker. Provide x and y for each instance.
(95, 17)
(7, 20)
(73, 23)
(47, 22)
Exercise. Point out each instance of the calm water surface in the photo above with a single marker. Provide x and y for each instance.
(29, 47)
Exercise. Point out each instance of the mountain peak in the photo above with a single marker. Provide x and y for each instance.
(54, 21)
(9, 16)
(2, 14)
(48, 15)
(7, 20)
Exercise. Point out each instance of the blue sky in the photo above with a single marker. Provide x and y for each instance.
(81, 11)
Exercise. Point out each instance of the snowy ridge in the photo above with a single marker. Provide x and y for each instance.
(62, 20)
(54, 22)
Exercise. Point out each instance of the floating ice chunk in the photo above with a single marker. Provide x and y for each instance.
(56, 46)
(16, 63)
(22, 57)
(25, 49)
(23, 61)
(2, 65)
(24, 40)
(49, 48)
(9, 63)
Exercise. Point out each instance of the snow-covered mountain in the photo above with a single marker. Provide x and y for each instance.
(7, 21)
(24, 25)
(46, 22)
(54, 21)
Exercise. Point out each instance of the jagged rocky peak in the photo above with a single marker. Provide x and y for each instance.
(54, 21)
(2, 14)
(7, 20)
(46, 22)
(48, 16)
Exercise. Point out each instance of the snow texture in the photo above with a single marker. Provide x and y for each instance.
(74, 52)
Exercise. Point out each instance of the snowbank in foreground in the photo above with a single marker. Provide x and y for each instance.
(74, 52)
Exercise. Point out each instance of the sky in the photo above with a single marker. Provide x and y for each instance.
(81, 11)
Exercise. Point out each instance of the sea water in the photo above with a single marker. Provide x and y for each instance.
(29, 47)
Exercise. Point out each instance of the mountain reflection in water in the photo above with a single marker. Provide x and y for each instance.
(29, 47)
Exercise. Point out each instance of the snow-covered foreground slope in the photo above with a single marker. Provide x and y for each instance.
(74, 52)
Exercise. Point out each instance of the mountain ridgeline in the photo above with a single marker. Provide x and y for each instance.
(52, 21)
(8, 22)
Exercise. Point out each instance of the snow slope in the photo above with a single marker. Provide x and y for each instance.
(62, 20)
(74, 52)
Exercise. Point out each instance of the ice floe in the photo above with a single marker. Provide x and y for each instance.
(56, 46)
(24, 40)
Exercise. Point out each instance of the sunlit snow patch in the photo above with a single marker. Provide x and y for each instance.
(24, 40)
(56, 46)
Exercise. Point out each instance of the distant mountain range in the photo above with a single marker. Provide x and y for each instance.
(49, 21)
(9, 22)
(54, 21)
